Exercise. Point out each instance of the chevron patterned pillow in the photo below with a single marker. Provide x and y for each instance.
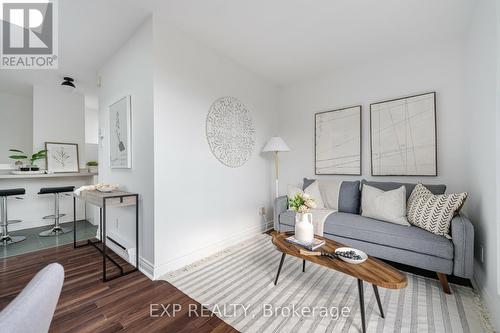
(433, 212)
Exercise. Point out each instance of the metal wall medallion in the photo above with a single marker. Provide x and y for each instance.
(230, 132)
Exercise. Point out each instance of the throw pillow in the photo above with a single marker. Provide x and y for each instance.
(312, 190)
(329, 190)
(344, 196)
(434, 212)
(293, 190)
(389, 206)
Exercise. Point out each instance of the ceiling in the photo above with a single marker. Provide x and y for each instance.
(281, 40)
(90, 31)
(287, 40)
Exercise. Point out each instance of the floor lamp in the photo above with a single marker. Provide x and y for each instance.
(276, 145)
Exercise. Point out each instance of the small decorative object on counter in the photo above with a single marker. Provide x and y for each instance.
(97, 187)
(92, 166)
(301, 203)
(19, 156)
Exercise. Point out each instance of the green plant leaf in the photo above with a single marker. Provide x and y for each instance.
(18, 157)
(16, 151)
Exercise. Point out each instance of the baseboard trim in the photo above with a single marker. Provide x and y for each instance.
(208, 250)
(144, 265)
(487, 301)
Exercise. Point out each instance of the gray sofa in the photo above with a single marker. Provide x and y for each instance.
(408, 245)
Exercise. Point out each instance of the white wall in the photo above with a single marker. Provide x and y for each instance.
(16, 125)
(129, 72)
(91, 128)
(438, 69)
(481, 113)
(58, 116)
(202, 206)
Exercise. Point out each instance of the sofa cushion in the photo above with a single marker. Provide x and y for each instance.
(346, 194)
(350, 197)
(388, 234)
(386, 186)
(389, 206)
(288, 218)
(433, 212)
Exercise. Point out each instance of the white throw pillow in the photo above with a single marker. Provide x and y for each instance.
(329, 190)
(313, 191)
(293, 190)
(389, 206)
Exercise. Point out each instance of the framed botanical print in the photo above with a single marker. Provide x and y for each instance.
(403, 136)
(120, 154)
(62, 157)
(338, 142)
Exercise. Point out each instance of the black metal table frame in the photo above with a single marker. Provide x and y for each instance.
(360, 291)
(102, 228)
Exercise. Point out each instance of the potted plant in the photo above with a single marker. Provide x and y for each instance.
(92, 166)
(19, 156)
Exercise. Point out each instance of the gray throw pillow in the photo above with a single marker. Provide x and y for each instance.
(387, 186)
(349, 199)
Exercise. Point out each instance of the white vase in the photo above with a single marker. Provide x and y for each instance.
(304, 230)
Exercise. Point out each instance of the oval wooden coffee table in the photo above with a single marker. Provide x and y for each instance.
(373, 271)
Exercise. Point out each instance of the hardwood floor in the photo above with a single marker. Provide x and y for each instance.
(89, 305)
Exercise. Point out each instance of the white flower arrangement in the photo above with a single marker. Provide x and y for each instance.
(301, 203)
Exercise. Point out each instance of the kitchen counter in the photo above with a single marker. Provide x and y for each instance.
(34, 206)
(51, 175)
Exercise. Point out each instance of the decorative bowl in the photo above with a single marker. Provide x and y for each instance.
(357, 252)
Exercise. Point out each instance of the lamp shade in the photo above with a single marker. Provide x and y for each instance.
(276, 144)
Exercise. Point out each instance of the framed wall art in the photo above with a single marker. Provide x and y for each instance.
(403, 136)
(230, 131)
(338, 142)
(120, 154)
(62, 157)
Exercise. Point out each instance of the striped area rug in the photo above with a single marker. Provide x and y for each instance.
(242, 276)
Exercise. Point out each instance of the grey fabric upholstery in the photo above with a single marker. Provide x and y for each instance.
(387, 186)
(307, 182)
(349, 195)
(280, 206)
(32, 310)
(287, 218)
(431, 263)
(411, 238)
(409, 245)
(369, 230)
(462, 235)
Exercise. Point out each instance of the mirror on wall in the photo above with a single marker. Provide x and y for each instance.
(16, 124)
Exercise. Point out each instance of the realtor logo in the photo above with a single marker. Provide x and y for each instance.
(29, 39)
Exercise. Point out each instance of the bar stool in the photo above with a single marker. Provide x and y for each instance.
(5, 238)
(56, 229)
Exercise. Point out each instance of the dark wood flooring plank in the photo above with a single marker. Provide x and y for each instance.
(87, 304)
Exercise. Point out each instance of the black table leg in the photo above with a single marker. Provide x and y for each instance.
(137, 231)
(74, 221)
(103, 240)
(377, 296)
(362, 304)
(303, 265)
(279, 268)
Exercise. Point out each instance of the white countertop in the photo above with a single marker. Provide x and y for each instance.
(52, 175)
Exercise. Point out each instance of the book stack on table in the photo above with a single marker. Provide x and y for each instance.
(311, 246)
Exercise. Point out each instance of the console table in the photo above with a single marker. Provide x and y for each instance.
(105, 200)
